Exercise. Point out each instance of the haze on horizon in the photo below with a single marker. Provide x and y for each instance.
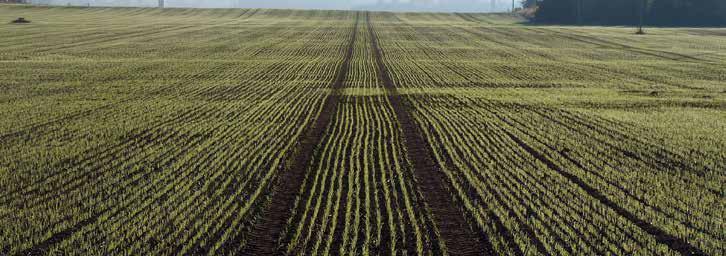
(376, 5)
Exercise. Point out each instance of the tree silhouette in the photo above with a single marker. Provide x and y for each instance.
(627, 12)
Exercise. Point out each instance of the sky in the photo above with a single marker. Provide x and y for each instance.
(387, 5)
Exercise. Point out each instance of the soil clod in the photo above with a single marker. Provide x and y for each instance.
(21, 20)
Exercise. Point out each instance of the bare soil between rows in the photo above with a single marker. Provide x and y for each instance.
(456, 233)
(266, 235)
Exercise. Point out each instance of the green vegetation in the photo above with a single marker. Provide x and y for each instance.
(178, 131)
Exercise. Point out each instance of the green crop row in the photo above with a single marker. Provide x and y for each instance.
(145, 131)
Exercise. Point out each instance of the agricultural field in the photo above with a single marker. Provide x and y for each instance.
(144, 131)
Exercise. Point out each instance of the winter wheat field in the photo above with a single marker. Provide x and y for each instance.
(131, 131)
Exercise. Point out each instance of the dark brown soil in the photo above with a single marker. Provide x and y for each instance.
(450, 219)
(660, 236)
(265, 235)
(43, 247)
(21, 21)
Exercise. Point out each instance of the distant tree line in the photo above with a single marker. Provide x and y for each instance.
(627, 12)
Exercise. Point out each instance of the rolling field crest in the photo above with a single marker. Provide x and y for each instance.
(145, 131)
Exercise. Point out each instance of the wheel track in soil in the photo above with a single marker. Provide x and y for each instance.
(453, 228)
(466, 17)
(42, 247)
(266, 233)
(661, 236)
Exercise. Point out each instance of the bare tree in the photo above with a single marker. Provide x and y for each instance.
(641, 18)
